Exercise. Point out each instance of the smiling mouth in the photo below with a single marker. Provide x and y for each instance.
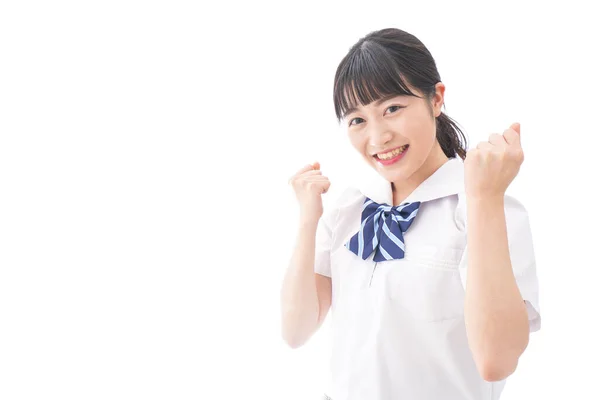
(391, 154)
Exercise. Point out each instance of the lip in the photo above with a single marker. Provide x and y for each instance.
(388, 150)
(391, 160)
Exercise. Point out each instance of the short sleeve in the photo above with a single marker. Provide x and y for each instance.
(323, 242)
(522, 257)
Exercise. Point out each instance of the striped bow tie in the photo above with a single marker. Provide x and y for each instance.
(381, 230)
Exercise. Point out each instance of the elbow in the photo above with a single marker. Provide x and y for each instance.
(296, 330)
(499, 364)
(292, 337)
(293, 342)
(493, 369)
(497, 360)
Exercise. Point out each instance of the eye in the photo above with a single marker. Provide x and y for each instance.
(398, 107)
(350, 124)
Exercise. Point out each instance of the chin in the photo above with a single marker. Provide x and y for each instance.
(403, 173)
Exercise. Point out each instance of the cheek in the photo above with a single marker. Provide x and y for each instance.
(357, 142)
(420, 129)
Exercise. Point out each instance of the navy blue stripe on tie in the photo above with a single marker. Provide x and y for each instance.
(382, 230)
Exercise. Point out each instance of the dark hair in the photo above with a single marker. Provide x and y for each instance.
(380, 65)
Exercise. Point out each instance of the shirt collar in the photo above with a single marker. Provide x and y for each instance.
(447, 180)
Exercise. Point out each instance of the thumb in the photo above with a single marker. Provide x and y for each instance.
(316, 165)
(517, 127)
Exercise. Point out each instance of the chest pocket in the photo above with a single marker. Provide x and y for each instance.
(425, 284)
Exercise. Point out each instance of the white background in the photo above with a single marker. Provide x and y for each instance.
(145, 216)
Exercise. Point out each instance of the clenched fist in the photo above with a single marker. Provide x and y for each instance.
(309, 184)
(492, 166)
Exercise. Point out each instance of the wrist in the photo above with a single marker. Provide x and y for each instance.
(485, 199)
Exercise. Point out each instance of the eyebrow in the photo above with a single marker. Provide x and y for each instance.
(377, 103)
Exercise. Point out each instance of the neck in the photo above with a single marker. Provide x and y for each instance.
(402, 189)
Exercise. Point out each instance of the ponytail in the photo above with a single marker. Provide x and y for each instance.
(451, 137)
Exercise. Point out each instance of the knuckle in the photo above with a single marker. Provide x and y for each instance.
(519, 155)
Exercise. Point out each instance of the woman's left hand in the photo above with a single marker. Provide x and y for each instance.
(492, 165)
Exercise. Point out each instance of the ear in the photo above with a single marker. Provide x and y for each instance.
(438, 99)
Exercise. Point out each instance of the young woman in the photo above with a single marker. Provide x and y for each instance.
(414, 314)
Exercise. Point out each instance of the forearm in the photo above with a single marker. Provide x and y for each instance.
(495, 314)
(299, 299)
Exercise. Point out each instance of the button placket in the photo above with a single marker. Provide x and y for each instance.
(373, 273)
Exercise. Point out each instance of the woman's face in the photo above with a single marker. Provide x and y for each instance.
(397, 135)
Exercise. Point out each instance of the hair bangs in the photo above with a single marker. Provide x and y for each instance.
(367, 74)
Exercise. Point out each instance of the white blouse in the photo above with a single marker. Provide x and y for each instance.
(398, 326)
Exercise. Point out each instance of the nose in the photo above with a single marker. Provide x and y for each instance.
(379, 137)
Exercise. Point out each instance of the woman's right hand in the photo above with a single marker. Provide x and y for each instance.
(309, 184)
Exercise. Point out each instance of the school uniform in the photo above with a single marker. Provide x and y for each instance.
(398, 329)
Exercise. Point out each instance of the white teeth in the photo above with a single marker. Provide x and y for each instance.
(391, 154)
